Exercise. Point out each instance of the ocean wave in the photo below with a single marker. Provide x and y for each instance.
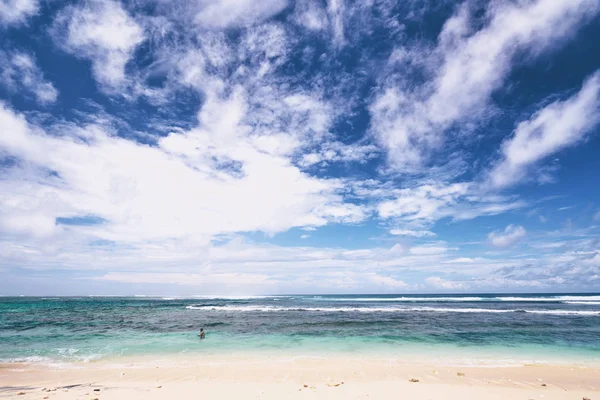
(27, 360)
(389, 310)
(551, 298)
(404, 299)
(450, 299)
(596, 303)
(215, 297)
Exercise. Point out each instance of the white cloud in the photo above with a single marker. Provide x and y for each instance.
(558, 125)
(220, 14)
(424, 202)
(428, 203)
(462, 260)
(103, 32)
(565, 208)
(409, 232)
(333, 152)
(431, 249)
(335, 9)
(467, 67)
(225, 281)
(224, 183)
(258, 154)
(19, 71)
(441, 283)
(310, 15)
(511, 234)
(17, 11)
(242, 267)
(387, 281)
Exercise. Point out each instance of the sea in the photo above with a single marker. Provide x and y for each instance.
(482, 329)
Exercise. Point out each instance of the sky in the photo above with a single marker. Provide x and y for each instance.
(189, 147)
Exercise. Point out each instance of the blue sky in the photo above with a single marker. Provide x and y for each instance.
(243, 147)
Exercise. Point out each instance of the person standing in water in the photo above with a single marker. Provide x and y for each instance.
(201, 333)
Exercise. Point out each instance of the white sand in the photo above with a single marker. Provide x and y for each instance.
(333, 377)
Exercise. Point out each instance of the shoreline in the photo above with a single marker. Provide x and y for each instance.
(439, 354)
(279, 377)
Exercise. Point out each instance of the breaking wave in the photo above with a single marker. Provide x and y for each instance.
(387, 309)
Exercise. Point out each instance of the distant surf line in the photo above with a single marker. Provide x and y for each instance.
(387, 310)
(463, 299)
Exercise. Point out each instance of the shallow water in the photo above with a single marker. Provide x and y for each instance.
(507, 328)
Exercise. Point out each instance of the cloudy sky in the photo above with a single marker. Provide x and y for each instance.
(243, 147)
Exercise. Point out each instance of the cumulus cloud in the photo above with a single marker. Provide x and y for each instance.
(14, 12)
(555, 127)
(469, 65)
(130, 185)
(103, 32)
(19, 72)
(511, 234)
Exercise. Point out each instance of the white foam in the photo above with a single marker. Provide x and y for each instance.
(389, 309)
(250, 297)
(596, 303)
(515, 299)
(406, 299)
(551, 298)
(28, 360)
(564, 312)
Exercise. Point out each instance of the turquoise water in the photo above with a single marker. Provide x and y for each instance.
(522, 328)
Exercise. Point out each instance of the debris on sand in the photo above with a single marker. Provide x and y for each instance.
(20, 393)
(413, 380)
(96, 390)
(460, 374)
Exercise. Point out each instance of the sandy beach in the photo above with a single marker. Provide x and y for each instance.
(276, 377)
